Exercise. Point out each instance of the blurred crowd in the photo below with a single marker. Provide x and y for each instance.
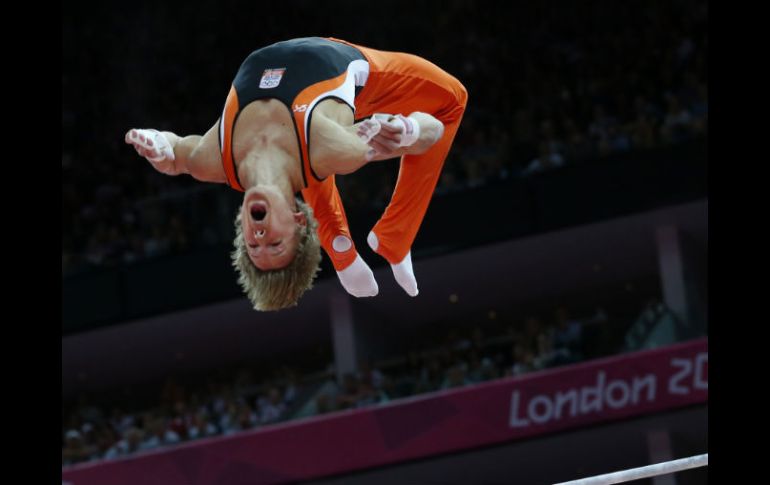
(235, 400)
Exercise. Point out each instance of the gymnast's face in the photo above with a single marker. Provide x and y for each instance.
(269, 226)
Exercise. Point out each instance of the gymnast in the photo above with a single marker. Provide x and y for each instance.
(298, 113)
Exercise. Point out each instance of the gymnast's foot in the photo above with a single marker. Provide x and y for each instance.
(402, 271)
(358, 279)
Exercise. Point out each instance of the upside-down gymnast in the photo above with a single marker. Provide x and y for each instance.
(289, 126)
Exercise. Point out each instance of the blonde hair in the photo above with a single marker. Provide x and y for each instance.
(280, 288)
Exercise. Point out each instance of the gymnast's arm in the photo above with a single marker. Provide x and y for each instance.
(172, 154)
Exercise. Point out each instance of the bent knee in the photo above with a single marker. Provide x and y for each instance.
(456, 109)
(462, 95)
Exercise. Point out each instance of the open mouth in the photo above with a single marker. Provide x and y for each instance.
(258, 211)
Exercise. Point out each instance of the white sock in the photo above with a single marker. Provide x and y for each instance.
(405, 275)
(358, 279)
(403, 271)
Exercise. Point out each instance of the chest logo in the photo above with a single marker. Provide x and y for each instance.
(271, 78)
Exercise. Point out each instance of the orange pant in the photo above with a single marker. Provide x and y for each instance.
(397, 83)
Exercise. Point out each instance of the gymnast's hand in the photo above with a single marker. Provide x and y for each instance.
(387, 140)
(155, 147)
(396, 134)
(367, 129)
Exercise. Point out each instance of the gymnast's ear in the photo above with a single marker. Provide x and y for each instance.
(300, 218)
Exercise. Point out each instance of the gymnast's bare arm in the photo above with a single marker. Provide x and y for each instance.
(335, 146)
(172, 154)
(341, 147)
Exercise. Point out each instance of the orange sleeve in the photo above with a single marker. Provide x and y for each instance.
(327, 207)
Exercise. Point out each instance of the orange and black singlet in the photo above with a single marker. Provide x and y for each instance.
(300, 73)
